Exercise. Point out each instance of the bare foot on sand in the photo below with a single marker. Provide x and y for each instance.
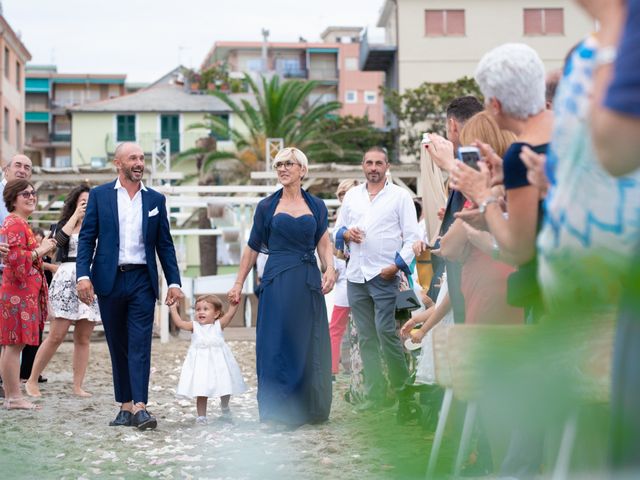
(20, 404)
(32, 389)
(79, 392)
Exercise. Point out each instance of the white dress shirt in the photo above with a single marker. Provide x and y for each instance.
(390, 226)
(131, 249)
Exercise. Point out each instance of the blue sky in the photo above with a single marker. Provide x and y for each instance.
(146, 39)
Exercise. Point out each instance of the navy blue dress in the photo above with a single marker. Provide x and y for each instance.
(293, 350)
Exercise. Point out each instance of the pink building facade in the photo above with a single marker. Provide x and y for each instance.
(333, 63)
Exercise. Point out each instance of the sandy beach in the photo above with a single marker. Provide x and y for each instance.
(70, 437)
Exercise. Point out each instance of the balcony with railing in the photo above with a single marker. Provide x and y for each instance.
(376, 57)
(323, 74)
(61, 137)
(292, 72)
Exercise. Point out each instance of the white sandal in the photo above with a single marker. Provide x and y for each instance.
(32, 406)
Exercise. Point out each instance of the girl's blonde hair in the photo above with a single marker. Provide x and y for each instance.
(212, 300)
(483, 127)
(345, 185)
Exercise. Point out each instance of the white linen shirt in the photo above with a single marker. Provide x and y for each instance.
(131, 249)
(390, 225)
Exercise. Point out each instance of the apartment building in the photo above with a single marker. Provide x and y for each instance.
(12, 96)
(443, 40)
(49, 96)
(164, 110)
(333, 62)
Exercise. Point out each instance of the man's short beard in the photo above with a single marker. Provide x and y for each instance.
(128, 173)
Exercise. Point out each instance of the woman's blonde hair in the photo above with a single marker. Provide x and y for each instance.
(483, 127)
(294, 154)
(345, 185)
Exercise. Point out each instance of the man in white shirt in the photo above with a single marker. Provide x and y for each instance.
(126, 225)
(378, 223)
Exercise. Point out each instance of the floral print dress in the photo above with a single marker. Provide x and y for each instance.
(23, 294)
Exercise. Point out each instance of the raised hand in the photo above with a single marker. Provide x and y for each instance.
(441, 152)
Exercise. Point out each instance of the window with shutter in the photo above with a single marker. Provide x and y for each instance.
(455, 22)
(554, 21)
(533, 21)
(543, 21)
(126, 128)
(434, 23)
(443, 23)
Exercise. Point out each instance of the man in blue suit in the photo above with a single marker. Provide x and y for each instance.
(129, 222)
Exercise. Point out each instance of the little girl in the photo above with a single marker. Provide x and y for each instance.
(209, 369)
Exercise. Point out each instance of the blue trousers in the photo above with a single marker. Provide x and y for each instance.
(127, 316)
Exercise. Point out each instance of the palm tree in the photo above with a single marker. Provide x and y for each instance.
(280, 110)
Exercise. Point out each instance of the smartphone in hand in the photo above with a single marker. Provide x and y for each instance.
(469, 156)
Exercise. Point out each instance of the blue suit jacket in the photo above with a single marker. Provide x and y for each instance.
(101, 225)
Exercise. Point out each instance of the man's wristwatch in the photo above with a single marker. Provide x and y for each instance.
(487, 201)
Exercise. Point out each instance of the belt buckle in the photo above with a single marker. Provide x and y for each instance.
(122, 268)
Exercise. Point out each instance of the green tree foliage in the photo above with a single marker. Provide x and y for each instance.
(426, 103)
(275, 110)
(353, 136)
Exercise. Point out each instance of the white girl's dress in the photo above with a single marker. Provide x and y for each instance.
(425, 370)
(209, 370)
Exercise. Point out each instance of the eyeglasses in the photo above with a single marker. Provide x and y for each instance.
(287, 165)
(29, 194)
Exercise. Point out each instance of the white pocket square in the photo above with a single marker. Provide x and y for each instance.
(153, 212)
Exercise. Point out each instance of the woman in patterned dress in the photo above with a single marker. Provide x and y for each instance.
(23, 294)
(66, 306)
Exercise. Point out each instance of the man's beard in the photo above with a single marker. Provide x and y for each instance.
(128, 173)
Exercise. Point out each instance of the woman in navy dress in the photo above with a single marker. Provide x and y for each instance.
(293, 350)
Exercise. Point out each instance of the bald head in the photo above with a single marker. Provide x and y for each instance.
(123, 149)
(19, 167)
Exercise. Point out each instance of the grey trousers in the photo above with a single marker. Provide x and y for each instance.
(373, 305)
